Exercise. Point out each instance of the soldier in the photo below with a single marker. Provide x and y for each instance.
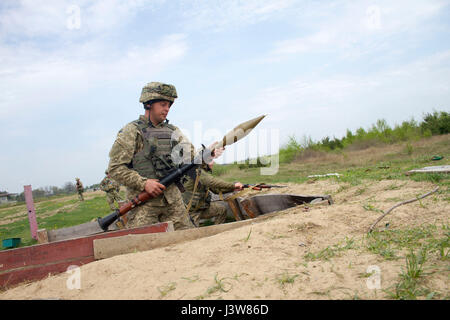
(112, 188)
(141, 155)
(80, 189)
(199, 202)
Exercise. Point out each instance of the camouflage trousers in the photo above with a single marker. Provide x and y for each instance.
(111, 197)
(80, 196)
(148, 213)
(216, 210)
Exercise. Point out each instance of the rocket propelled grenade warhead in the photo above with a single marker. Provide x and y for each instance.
(238, 132)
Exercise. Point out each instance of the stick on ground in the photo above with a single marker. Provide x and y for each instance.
(399, 204)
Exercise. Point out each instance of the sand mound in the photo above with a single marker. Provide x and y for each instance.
(266, 260)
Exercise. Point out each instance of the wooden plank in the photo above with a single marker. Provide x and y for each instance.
(77, 231)
(39, 272)
(235, 209)
(66, 249)
(433, 169)
(42, 236)
(50, 257)
(106, 248)
(31, 211)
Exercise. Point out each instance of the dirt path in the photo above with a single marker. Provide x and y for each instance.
(268, 260)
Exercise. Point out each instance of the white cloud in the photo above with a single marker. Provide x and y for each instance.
(217, 15)
(356, 28)
(36, 18)
(319, 107)
(39, 79)
(33, 17)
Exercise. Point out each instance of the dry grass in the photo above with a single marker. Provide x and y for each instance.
(358, 155)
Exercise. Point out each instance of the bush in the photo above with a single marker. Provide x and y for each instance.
(379, 133)
(288, 152)
(251, 164)
(437, 123)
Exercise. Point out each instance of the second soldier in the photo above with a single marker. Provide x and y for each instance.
(112, 188)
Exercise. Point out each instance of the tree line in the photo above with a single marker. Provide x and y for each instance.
(68, 188)
(436, 123)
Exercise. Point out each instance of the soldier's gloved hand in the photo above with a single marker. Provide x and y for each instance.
(238, 186)
(153, 187)
(216, 152)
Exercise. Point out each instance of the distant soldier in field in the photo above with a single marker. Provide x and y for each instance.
(111, 187)
(80, 189)
(199, 202)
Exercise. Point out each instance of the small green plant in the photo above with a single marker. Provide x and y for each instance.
(360, 191)
(409, 149)
(191, 279)
(394, 187)
(366, 274)
(164, 290)
(369, 207)
(274, 236)
(331, 251)
(286, 278)
(248, 236)
(408, 288)
(429, 177)
(219, 286)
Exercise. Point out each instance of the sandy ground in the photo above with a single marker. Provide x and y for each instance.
(265, 260)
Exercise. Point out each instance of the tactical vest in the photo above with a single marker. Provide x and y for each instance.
(154, 161)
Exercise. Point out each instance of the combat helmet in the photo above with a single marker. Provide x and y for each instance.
(158, 91)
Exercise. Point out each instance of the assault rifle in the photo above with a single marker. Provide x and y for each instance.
(261, 186)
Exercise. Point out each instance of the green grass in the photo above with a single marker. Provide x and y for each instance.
(80, 213)
(86, 211)
(424, 249)
(286, 278)
(219, 286)
(355, 167)
(390, 244)
(331, 251)
(411, 279)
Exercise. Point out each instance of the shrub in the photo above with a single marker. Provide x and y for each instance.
(437, 123)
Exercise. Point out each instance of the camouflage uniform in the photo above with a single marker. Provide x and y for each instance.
(133, 160)
(201, 205)
(80, 189)
(111, 188)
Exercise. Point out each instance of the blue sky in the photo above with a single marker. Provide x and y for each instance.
(71, 73)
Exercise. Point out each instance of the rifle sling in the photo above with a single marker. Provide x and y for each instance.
(188, 207)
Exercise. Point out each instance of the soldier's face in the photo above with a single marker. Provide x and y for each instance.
(159, 111)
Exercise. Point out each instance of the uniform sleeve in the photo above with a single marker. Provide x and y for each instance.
(102, 185)
(120, 157)
(216, 185)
